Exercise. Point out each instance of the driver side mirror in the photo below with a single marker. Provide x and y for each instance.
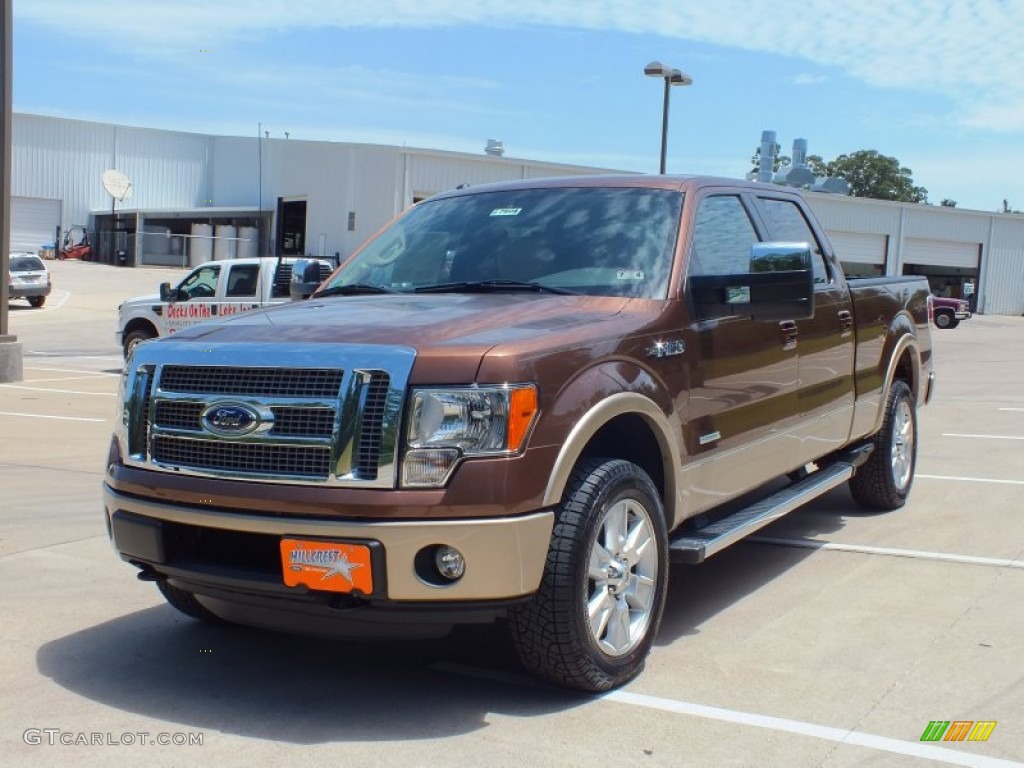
(167, 293)
(779, 285)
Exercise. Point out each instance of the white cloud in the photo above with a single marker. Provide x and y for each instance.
(808, 79)
(967, 50)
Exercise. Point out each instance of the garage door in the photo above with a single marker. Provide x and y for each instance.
(940, 253)
(859, 247)
(33, 223)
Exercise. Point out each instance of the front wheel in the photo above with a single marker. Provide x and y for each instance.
(133, 339)
(593, 620)
(945, 319)
(885, 479)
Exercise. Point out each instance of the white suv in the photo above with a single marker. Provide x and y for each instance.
(28, 278)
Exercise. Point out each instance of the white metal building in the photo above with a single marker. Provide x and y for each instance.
(197, 196)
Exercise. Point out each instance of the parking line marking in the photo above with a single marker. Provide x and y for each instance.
(828, 733)
(41, 416)
(769, 722)
(1011, 409)
(52, 369)
(916, 554)
(972, 479)
(68, 378)
(985, 437)
(58, 391)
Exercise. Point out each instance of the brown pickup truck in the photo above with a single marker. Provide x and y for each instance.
(519, 402)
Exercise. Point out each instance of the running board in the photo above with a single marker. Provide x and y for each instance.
(694, 547)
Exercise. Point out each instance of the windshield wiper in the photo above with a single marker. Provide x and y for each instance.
(485, 286)
(352, 289)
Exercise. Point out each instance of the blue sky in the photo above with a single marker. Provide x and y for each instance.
(939, 84)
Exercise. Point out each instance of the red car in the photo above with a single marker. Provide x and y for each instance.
(947, 313)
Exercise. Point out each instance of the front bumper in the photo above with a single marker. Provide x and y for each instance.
(218, 551)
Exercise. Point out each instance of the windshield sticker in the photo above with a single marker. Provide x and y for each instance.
(629, 274)
(506, 211)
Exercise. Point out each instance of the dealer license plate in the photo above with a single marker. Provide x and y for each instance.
(329, 566)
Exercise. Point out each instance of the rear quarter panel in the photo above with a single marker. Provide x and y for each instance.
(892, 340)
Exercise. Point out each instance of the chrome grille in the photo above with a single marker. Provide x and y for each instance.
(299, 422)
(265, 382)
(178, 414)
(305, 422)
(293, 422)
(246, 458)
(374, 408)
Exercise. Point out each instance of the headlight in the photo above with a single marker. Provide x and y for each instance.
(448, 424)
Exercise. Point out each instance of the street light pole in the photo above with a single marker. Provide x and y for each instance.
(671, 77)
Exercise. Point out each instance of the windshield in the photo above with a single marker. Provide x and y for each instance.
(26, 264)
(602, 242)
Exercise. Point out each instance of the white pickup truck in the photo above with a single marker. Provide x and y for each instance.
(217, 289)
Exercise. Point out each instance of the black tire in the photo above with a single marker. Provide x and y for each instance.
(135, 337)
(37, 301)
(186, 603)
(884, 481)
(553, 633)
(944, 318)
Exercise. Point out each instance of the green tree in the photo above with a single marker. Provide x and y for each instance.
(872, 174)
(1007, 208)
(946, 202)
(817, 165)
(780, 160)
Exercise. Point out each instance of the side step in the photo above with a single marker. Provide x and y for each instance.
(694, 547)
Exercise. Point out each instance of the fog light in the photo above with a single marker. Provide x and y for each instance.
(450, 562)
(428, 467)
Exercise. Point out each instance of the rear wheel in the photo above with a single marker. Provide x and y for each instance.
(186, 603)
(37, 301)
(593, 620)
(885, 479)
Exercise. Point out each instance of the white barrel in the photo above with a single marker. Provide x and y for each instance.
(225, 246)
(248, 243)
(200, 245)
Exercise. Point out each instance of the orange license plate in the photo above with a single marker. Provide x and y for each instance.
(327, 565)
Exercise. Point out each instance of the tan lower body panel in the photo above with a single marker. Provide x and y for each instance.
(504, 556)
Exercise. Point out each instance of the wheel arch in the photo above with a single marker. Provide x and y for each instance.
(140, 324)
(627, 426)
(905, 365)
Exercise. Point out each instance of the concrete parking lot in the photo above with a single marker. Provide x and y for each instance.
(832, 639)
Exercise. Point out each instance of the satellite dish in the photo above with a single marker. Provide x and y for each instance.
(117, 185)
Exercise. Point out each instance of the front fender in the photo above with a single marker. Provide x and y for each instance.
(594, 399)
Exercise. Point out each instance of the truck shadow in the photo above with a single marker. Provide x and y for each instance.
(293, 689)
(302, 690)
(699, 592)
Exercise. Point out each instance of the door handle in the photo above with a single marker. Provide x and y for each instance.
(845, 321)
(788, 329)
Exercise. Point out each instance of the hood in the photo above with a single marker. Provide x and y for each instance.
(413, 320)
(153, 298)
(450, 332)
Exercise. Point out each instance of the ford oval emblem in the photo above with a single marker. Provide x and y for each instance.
(230, 419)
